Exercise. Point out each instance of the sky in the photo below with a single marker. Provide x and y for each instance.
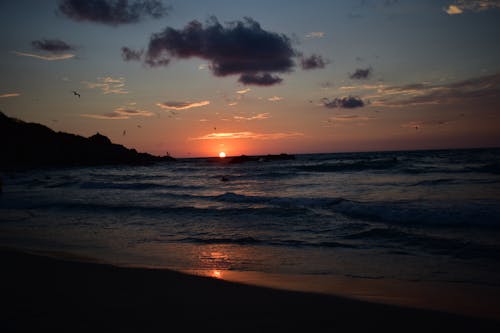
(194, 78)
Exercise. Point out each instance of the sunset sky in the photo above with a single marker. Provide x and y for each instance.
(256, 77)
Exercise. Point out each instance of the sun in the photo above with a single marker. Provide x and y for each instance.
(222, 154)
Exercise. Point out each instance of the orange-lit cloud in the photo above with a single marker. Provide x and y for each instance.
(260, 116)
(275, 99)
(108, 85)
(51, 57)
(120, 113)
(248, 135)
(315, 34)
(460, 6)
(350, 118)
(182, 105)
(9, 95)
(453, 10)
(243, 91)
(111, 115)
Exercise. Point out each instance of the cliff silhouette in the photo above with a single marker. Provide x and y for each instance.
(31, 145)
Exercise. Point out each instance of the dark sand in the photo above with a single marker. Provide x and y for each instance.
(45, 294)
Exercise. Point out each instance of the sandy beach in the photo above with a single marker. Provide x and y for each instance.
(41, 294)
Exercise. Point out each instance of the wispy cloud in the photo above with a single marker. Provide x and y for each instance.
(120, 113)
(350, 118)
(108, 85)
(315, 34)
(259, 116)
(110, 116)
(248, 135)
(9, 95)
(182, 105)
(460, 6)
(51, 45)
(275, 99)
(474, 89)
(243, 91)
(50, 57)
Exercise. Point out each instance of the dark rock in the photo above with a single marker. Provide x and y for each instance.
(29, 145)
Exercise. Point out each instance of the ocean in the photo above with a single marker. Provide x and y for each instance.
(431, 216)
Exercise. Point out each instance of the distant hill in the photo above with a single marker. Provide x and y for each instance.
(29, 145)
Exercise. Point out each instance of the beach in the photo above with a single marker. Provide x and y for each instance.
(40, 293)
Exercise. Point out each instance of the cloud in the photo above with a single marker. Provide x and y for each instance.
(238, 48)
(361, 73)
(275, 99)
(349, 102)
(475, 89)
(111, 115)
(108, 85)
(9, 95)
(112, 12)
(313, 62)
(120, 113)
(182, 105)
(350, 118)
(453, 10)
(51, 57)
(264, 79)
(51, 45)
(243, 91)
(248, 135)
(260, 116)
(129, 54)
(315, 34)
(133, 112)
(460, 6)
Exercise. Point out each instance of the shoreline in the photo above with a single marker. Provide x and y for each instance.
(63, 294)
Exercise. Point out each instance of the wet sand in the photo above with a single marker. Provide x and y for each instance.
(47, 294)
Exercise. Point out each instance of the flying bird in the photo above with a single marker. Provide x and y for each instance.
(124, 132)
(76, 93)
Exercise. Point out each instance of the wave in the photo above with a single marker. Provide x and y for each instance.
(424, 213)
(278, 201)
(135, 186)
(362, 165)
(397, 239)
(275, 242)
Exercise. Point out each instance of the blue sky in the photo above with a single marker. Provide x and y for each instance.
(429, 75)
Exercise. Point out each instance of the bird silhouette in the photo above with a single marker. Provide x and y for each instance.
(76, 93)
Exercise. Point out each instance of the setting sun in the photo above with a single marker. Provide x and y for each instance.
(222, 154)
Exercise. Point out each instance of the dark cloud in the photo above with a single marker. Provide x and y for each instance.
(112, 12)
(51, 45)
(349, 102)
(313, 62)
(264, 79)
(238, 48)
(361, 74)
(129, 54)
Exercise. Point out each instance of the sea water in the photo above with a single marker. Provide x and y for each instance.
(408, 216)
